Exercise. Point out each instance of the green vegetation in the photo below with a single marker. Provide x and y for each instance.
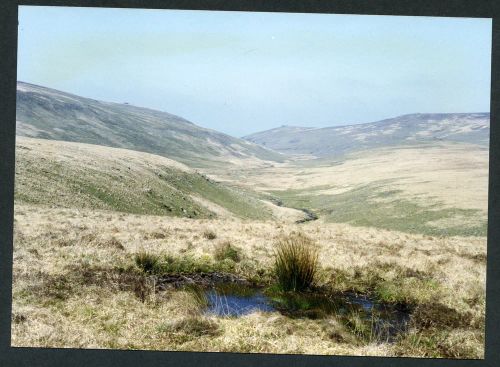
(239, 203)
(225, 250)
(170, 265)
(101, 181)
(296, 262)
(376, 206)
(146, 262)
(406, 290)
(387, 282)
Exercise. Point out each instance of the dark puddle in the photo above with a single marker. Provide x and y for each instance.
(231, 305)
(358, 312)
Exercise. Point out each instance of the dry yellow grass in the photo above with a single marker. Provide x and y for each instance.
(76, 282)
(454, 174)
(57, 304)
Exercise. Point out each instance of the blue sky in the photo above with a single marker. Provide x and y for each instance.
(240, 72)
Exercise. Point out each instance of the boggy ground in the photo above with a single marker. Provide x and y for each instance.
(77, 284)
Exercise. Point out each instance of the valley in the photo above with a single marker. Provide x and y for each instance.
(110, 199)
(440, 189)
(50, 114)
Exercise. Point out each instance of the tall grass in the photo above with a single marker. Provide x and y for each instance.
(146, 262)
(296, 262)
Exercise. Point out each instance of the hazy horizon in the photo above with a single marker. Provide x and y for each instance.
(240, 73)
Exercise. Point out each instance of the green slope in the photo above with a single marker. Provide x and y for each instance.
(51, 114)
(75, 175)
(376, 205)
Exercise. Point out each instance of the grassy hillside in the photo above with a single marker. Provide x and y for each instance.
(75, 175)
(376, 205)
(439, 189)
(472, 128)
(51, 114)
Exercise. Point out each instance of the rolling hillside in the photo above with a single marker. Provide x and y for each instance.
(403, 130)
(436, 189)
(75, 175)
(51, 114)
(419, 173)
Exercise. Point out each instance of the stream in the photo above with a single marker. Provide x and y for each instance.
(310, 216)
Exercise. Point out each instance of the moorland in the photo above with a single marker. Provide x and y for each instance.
(126, 218)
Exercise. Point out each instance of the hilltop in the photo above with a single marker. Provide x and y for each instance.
(51, 114)
(473, 128)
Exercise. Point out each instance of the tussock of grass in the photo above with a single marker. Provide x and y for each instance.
(337, 331)
(209, 235)
(114, 243)
(225, 250)
(146, 262)
(296, 262)
(18, 318)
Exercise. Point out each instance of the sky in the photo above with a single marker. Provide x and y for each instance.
(244, 72)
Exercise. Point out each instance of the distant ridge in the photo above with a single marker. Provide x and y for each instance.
(415, 128)
(51, 114)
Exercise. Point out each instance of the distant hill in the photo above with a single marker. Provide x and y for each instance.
(408, 129)
(76, 175)
(51, 114)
